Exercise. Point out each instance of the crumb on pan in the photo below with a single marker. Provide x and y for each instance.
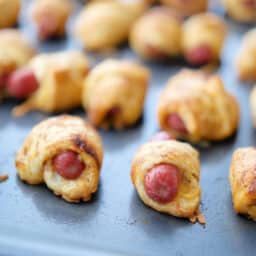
(3, 177)
(198, 217)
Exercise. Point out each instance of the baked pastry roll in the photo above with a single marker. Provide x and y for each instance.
(157, 34)
(245, 63)
(187, 7)
(60, 80)
(15, 52)
(114, 93)
(203, 36)
(196, 107)
(104, 25)
(165, 174)
(50, 17)
(66, 154)
(9, 12)
(242, 177)
(241, 10)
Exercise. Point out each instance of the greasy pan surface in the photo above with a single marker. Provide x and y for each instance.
(35, 222)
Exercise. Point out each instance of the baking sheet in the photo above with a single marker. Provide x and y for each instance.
(35, 222)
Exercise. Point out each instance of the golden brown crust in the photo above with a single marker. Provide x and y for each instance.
(60, 76)
(240, 11)
(245, 63)
(15, 50)
(108, 87)
(187, 7)
(55, 135)
(186, 159)
(209, 29)
(157, 34)
(242, 178)
(105, 25)
(208, 111)
(9, 12)
(59, 10)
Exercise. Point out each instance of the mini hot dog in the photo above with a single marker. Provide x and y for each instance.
(166, 173)
(15, 52)
(242, 177)
(206, 46)
(50, 17)
(52, 82)
(66, 154)
(156, 35)
(114, 93)
(195, 106)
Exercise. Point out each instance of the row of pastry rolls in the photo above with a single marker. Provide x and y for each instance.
(66, 154)
(113, 93)
(48, 16)
(194, 105)
(113, 18)
(166, 175)
(161, 34)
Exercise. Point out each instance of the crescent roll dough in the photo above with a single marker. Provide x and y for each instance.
(15, 52)
(187, 7)
(197, 107)
(242, 178)
(9, 12)
(241, 10)
(50, 17)
(34, 160)
(186, 159)
(104, 25)
(203, 36)
(246, 64)
(60, 76)
(157, 34)
(114, 93)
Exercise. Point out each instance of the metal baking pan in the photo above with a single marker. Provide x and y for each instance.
(35, 222)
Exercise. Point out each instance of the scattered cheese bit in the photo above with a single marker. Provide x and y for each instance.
(3, 177)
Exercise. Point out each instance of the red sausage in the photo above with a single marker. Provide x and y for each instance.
(68, 165)
(163, 136)
(176, 123)
(161, 183)
(22, 83)
(113, 112)
(47, 26)
(250, 3)
(200, 55)
(3, 80)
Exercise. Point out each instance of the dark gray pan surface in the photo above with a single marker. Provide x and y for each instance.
(35, 222)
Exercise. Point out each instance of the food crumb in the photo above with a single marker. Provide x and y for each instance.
(3, 177)
(198, 217)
